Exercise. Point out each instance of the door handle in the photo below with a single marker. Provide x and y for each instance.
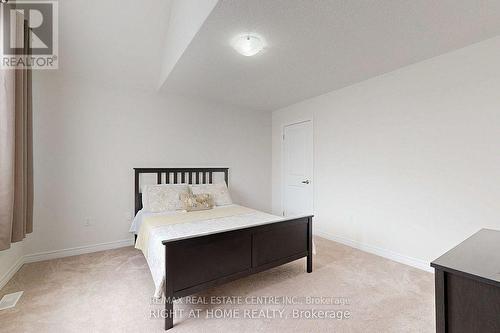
(305, 182)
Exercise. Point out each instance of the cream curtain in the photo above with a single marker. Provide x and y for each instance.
(16, 149)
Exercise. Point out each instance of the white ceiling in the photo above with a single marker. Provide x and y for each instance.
(112, 42)
(316, 46)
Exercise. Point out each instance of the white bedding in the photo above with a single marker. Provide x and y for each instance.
(141, 214)
(155, 249)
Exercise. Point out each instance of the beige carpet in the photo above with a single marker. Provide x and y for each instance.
(110, 291)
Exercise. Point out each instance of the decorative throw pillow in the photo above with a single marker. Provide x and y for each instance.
(193, 202)
(163, 197)
(218, 192)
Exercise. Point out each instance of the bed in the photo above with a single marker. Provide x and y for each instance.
(190, 252)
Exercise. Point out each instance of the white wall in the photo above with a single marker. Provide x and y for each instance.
(10, 261)
(89, 137)
(407, 163)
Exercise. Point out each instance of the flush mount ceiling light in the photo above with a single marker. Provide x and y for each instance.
(248, 44)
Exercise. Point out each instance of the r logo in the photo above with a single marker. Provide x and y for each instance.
(40, 18)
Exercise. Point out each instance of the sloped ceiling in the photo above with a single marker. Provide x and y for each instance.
(111, 42)
(316, 46)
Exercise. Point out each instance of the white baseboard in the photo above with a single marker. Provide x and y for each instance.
(41, 256)
(74, 251)
(11, 271)
(388, 254)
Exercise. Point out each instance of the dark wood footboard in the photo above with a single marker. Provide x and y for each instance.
(198, 263)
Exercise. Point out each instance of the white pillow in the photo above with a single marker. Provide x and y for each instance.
(163, 197)
(219, 192)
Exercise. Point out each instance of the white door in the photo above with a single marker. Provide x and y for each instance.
(297, 169)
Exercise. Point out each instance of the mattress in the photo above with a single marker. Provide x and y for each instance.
(154, 228)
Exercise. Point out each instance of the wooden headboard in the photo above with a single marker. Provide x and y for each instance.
(176, 176)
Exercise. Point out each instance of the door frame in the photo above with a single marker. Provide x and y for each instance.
(282, 158)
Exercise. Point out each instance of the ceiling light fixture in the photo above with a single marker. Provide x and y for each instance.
(248, 44)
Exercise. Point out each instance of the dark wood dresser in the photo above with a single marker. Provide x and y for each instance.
(468, 285)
